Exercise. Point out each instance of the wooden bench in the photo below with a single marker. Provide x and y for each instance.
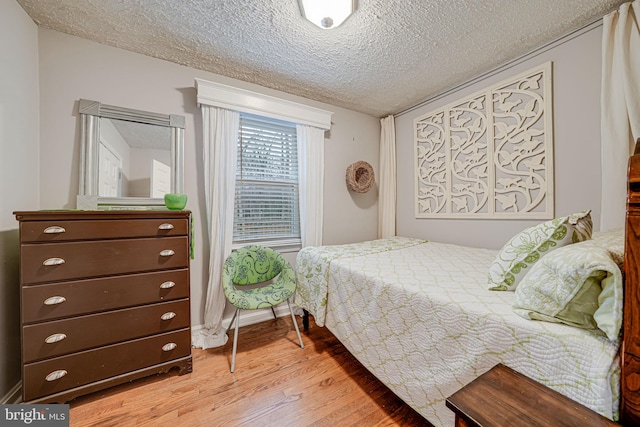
(503, 397)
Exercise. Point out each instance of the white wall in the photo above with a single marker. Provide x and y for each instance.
(72, 68)
(576, 99)
(140, 169)
(19, 169)
(112, 139)
(348, 216)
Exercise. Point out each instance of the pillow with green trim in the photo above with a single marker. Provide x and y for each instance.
(527, 247)
(579, 285)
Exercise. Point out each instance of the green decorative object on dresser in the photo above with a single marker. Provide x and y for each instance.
(175, 202)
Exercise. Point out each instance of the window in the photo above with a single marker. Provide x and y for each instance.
(266, 202)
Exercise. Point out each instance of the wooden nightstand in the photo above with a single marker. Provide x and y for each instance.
(503, 397)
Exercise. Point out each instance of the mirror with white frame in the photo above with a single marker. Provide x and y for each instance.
(129, 158)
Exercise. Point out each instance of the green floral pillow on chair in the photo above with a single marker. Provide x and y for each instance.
(527, 247)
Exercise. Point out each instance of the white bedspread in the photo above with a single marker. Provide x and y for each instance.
(421, 319)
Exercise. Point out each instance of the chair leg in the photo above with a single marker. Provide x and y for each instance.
(232, 319)
(274, 313)
(295, 324)
(235, 341)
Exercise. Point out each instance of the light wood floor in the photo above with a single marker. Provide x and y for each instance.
(276, 383)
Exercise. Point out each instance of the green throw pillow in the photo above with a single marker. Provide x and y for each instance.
(527, 247)
(578, 285)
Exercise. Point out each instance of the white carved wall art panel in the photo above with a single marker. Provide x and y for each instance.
(489, 155)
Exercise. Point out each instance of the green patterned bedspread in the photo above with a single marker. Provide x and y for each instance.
(312, 267)
(419, 316)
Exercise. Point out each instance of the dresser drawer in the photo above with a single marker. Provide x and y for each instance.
(48, 262)
(60, 231)
(66, 372)
(55, 338)
(64, 299)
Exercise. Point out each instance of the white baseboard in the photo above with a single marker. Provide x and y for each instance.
(250, 317)
(14, 395)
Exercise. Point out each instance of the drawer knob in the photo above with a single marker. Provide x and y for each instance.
(167, 252)
(56, 375)
(54, 229)
(167, 285)
(53, 261)
(54, 338)
(165, 226)
(54, 300)
(168, 315)
(170, 346)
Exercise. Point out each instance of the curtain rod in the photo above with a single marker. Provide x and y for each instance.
(542, 49)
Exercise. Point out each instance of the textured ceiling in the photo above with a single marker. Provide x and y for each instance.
(388, 56)
(140, 135)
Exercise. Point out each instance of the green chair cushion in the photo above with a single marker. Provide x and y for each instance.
(257, 265)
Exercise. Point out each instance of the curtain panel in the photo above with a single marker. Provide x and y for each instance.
(220, 136)
(620, 108)
(387, 179)
(310, 183)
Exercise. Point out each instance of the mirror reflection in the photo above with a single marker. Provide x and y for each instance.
(129, 158)
(134, 159)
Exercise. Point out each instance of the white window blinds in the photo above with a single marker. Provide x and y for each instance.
(266, 205)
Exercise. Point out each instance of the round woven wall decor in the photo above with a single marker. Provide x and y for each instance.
(360, 177)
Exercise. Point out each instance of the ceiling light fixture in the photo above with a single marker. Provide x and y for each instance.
(327, 14)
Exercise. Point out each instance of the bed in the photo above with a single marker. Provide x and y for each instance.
(421, 317)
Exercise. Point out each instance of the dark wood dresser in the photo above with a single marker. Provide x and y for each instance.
(104, 299)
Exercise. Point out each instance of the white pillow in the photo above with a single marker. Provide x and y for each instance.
(613, 242)
(527, 247)
(579, 285)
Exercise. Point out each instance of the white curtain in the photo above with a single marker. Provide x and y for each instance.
(387, 179)
(220, 130)
(310, 183)
(620, 110)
